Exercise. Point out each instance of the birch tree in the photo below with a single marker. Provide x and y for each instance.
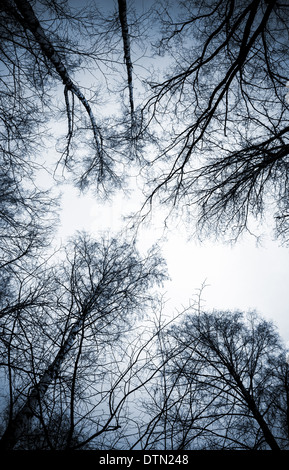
(46, 48)
(219, 385)
(67, 347)
(222, 110)
(122, 7)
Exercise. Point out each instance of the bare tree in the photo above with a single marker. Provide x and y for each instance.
(45, 49)
(223, 112)
(220, 385)
(69, 349)
(73, 362)
(122, 7)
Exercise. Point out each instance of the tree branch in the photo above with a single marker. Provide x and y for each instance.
(122, 11)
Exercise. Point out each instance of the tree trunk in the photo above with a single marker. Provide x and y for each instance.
(122, 11)
(270, 439)
(20, 423)
(25, 15)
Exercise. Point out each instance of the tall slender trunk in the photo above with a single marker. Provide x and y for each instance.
(19, 424)
(122, 12)
(270, 439)
(25, 15)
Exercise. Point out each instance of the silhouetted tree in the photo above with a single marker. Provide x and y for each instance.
(211, 135)
(45, 48)
(63, 357)
(222, 114)
(224, 385)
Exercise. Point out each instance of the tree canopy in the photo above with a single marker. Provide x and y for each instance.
(223, 113)
(189, 101)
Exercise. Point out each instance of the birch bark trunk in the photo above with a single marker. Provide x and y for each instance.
(27, 18)
(122, 9)
(17, 426)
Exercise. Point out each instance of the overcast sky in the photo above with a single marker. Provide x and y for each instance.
(244, 276)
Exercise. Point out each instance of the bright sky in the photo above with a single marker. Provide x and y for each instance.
(243, 277)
